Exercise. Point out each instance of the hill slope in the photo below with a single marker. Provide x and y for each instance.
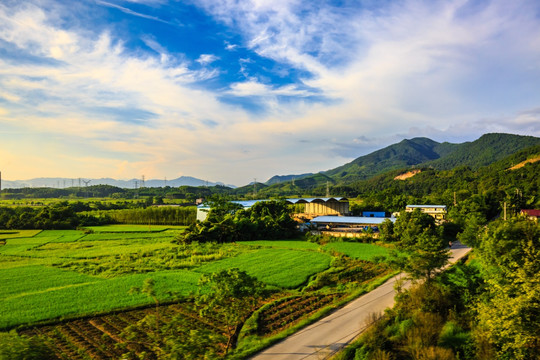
(417, 152)
(488, 149)
(401, 155)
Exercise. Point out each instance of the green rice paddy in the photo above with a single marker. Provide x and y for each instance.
(54, 274)
(356, 250)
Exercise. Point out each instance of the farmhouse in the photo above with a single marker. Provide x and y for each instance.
(313, 207)
(437, 211)
(531, 214)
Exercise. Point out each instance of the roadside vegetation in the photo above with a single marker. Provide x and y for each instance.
(485, 308)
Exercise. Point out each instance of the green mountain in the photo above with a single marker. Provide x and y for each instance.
(416, 152)
(397, 156)
(487, 150)
(283, 178)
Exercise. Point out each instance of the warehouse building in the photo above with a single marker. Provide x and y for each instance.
(313, 207)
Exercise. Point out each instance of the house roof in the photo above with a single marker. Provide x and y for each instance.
(530, 212)
(351, 220)
(427, 206)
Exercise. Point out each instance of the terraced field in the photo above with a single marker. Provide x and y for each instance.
(73, 288)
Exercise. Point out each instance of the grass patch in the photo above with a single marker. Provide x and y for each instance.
(133, 228)
(88, 298)
(361, 251)
(278, 267)
(282, 244)
(12, 234)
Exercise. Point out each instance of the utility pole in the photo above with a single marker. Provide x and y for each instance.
(504, 211)
(455, 201)
(327, 189)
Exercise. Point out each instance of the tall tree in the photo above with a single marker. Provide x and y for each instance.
(510, 313)
(231, 297)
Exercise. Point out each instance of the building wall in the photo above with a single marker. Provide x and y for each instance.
(437, 212)
(202, 213)
(328, 208)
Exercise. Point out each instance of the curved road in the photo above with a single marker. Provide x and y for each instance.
(325, 337)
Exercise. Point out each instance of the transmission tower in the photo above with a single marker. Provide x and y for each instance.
(86, 182)
(327, 190)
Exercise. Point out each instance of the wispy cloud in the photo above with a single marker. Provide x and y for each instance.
(206, 59)
(131, 12)
(358, 78)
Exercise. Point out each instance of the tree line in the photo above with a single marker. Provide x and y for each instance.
(62, 215)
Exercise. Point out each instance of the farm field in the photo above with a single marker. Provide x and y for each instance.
(355, 250)
(85, 276)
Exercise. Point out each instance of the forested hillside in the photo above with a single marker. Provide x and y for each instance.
(407, 154)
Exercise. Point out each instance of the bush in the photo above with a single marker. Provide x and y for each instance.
(15, 347)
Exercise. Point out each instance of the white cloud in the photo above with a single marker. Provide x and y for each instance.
(206, 59)
(413, 68)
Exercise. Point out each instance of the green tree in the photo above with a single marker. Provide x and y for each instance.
(387, 231)
(15, 347)
(232, 296)
(428, 255)
(410, 225)
(510, 313)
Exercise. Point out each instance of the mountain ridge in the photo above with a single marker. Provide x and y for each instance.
(418, 152)
(59, 182)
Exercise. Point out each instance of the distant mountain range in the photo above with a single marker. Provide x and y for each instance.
(126, 184)
(407, 154)
(486, 150)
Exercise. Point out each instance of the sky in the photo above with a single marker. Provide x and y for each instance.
(237, 90)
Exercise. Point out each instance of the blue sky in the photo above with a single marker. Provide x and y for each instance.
(230, 90)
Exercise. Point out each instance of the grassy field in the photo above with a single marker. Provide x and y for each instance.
(121, 228)
(55, 274)
(356, 250)
(279, 267)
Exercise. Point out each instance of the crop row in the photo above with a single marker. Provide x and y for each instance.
(285, 313)
(105, 337)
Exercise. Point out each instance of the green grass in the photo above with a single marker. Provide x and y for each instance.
(133, 228)
(355, 250)
(128, 236)
(100, 295)
(12, 234)
(20, 281)
(282, 244)
(278, 267)
(93, 249)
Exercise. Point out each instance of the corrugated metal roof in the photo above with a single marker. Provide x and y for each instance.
(427, 206)
(310, 200)
(353, 220)
(244, 203)
(249, 203)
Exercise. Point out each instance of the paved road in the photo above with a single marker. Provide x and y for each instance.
(325, 337)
